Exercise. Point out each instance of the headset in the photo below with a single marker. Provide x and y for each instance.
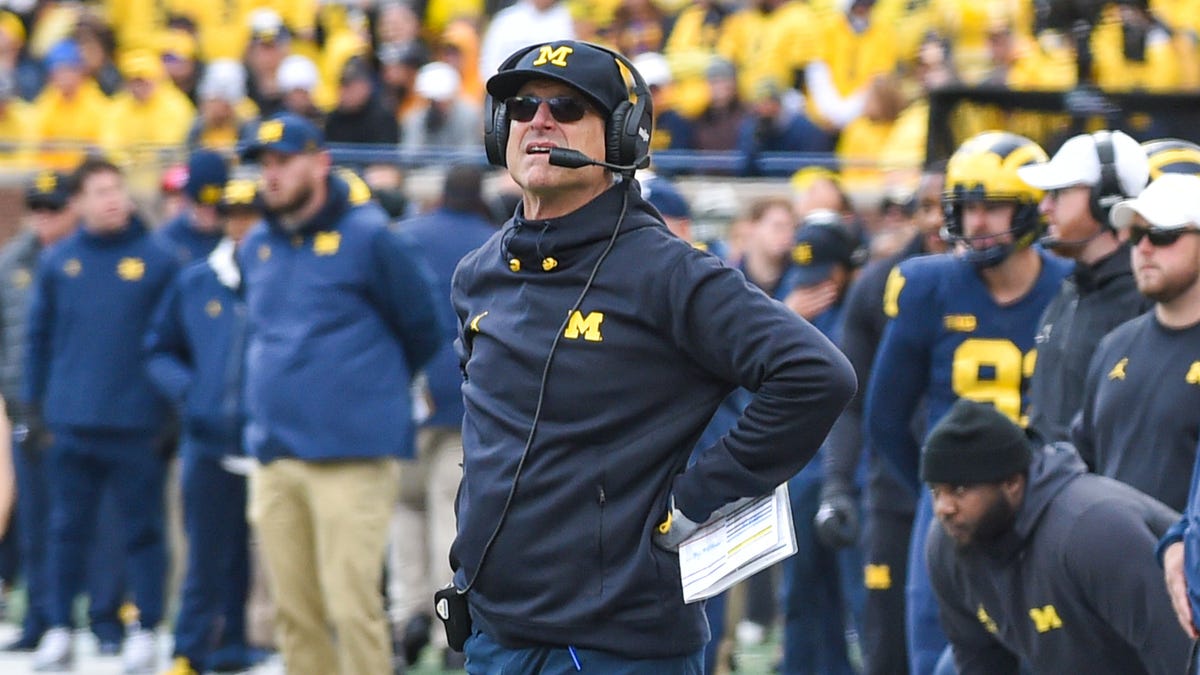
(626, 131)
(1107, 192)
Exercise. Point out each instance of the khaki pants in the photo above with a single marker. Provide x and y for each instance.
(423, 527)
(322, 528)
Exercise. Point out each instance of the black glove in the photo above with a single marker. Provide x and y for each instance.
(166, 443)
(32, 434)
(836, 521)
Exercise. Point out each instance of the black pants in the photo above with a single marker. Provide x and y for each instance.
(885, 567)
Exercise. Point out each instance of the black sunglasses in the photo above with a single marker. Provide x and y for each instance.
(565, 109)
(1158, 236)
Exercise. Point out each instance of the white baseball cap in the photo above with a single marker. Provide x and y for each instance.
(1171, 202)
(437, 81)
(297, 72)
(1077, 162)
(653, 68)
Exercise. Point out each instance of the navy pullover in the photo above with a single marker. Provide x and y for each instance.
(663, 335)
(188, 244)
(92, 301)
(444, 237)
(194, 351)
(341, 314)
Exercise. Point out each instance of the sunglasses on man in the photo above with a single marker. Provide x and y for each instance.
(564, 109)
(1158, 236)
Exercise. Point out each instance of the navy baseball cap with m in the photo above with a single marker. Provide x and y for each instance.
(583, 66)
(821, 245)
(49, 190)
(286, 133)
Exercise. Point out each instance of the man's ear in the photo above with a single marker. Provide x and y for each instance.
(1013, 487)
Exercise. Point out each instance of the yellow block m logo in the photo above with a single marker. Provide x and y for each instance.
(587, 326)
(270, 131)
(1045, 619)
(1193, 373)
(556, 56)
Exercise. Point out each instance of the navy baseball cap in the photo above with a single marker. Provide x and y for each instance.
(286, 133)
(583, 66)
(666, 198)
(820, 245)
(206, 176)
(48, 190)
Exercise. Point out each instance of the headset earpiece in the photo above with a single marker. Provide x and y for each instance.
(1108, 191)
(495, 132)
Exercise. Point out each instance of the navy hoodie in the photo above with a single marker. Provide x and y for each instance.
(341, 314)
(92, 301)
(189, 245)
(1073, 587)
(194, 351)
(663, 335)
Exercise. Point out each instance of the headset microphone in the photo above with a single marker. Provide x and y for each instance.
(574, 159)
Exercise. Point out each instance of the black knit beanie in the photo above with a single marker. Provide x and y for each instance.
(974, 443)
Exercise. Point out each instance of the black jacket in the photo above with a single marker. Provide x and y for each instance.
(1092, 301)
(663, 335)
(373, 123)
(1074, 587)
(861, 333)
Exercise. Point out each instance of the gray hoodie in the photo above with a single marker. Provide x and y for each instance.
(1074, 587)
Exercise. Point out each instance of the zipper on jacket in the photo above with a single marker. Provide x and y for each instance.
(600, 536)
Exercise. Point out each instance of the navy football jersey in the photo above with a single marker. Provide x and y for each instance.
(948, 338)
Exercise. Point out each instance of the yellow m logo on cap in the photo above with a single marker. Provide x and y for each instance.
(556, 56)
(270, 131)
(46, 182)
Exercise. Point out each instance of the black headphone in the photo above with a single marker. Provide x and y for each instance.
(626, 131)
(1107, 192)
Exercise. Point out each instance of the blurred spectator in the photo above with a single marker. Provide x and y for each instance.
(71, 112)
(718, 125)
(773, 128)
(520, 25)
(398, 66)
(360, 116)
(768, 245)
(194, 353)
(386, 182)
(821, 601)
(297, 79)
(671, 130)
(1132, 51)
(446, 120)
(179, 59)
(637, 27)
(96, 45)
(671, 204)
(103, 421)
(224, 109)
(172, 201)
(196, 230)
(741, 43)
(459, 47)
(49, 218)
(858, 45)
(396, 23)
(150, 112)
(423, 524)
(16, 123)
(861, 140)
(270, 43)
(14, 58)
(691, 47)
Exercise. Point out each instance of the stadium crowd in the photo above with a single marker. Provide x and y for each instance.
(204, 352)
